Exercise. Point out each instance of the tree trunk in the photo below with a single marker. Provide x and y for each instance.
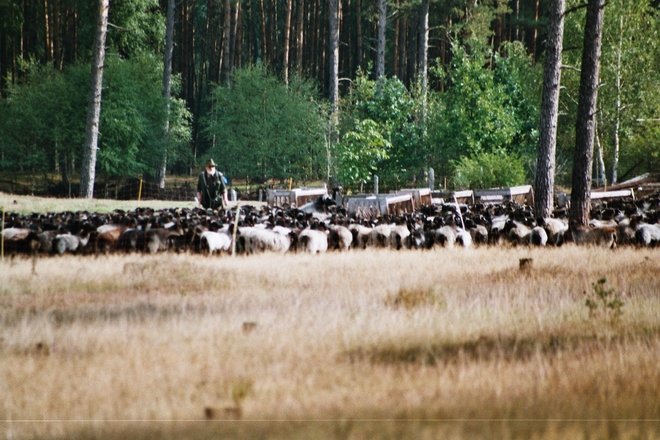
(226, 41)
(545, 158)
(300, 42)
(287, 40)
(380, 55)
(403, 51)
(617, 105)
(413, 47)
(264, 34)
(358, 34)
(333, 24)
(395, 41)
(536, 31)
(601, 162)
(167, 87)
(423, 52)
(272, 29)
(88, 171)
(586, 117)
(237, 40)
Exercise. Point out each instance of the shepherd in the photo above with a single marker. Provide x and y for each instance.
(211, 187)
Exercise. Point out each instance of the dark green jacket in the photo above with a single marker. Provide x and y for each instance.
(212, 189)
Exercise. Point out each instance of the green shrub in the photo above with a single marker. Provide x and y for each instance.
(489, 170)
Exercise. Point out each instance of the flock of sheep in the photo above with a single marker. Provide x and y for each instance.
(321, 226)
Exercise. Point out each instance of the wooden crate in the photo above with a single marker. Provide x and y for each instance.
(465, 197)
(523, 195)
(612, 195)
(371, 206)
(294, 197)
(421, 196)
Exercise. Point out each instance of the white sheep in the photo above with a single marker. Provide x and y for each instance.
(554, 228)
(518, 232)
(399, 236)
(538, 236)
(313, 241)
(446, 236)
(261, 240)
(381, 234)
(69, 243)
(647, 234)
(463, 237)
(215, 241)
(340, 238)
(361, 235)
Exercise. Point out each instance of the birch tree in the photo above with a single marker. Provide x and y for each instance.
(334, 54)
(287, 39)
(167, 87)
(88, 170)
(423, 51)
(380, 54)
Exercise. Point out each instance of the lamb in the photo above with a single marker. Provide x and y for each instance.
(212, 241)
(361, 235)
(261, 240)
(478, 231)
(463, 237)
(647, 234)
(20, 240)
(518, 233)
(496, 233)
(554, 228)
(339, 238)
(446, 236)
(313, 241)
(70, 243)
(46, 239)
(381, 234)
(584, 235)
(399, 236)
(625, 231)
(416, 240)
(538, 236)
(107, 238)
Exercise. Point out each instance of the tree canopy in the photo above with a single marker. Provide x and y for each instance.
(264, 112)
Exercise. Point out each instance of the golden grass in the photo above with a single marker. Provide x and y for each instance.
(29, 204)
(410, 344)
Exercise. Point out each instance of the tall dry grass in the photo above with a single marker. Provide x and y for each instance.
(29, 204)
(451, 344)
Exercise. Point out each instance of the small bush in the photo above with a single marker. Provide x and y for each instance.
(604, 301)
(490, 170)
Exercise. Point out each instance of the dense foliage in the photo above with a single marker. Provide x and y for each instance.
(44, 119)
(476, 125)
(261, 128)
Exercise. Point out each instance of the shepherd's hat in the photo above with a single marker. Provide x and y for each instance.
(209, 163)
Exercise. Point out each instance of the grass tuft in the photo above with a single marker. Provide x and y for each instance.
(413, 297)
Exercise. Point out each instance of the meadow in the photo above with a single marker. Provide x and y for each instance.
(461, 343)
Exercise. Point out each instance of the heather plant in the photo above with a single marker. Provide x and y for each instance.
(604, 301)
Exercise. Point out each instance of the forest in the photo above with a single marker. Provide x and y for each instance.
(331, 90)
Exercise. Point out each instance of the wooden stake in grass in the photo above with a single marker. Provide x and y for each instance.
(526, 264)
(233, 235)
(2, 235)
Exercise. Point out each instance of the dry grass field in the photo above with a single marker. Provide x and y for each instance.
(451, 344)
(27, 204)
(368, 344)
